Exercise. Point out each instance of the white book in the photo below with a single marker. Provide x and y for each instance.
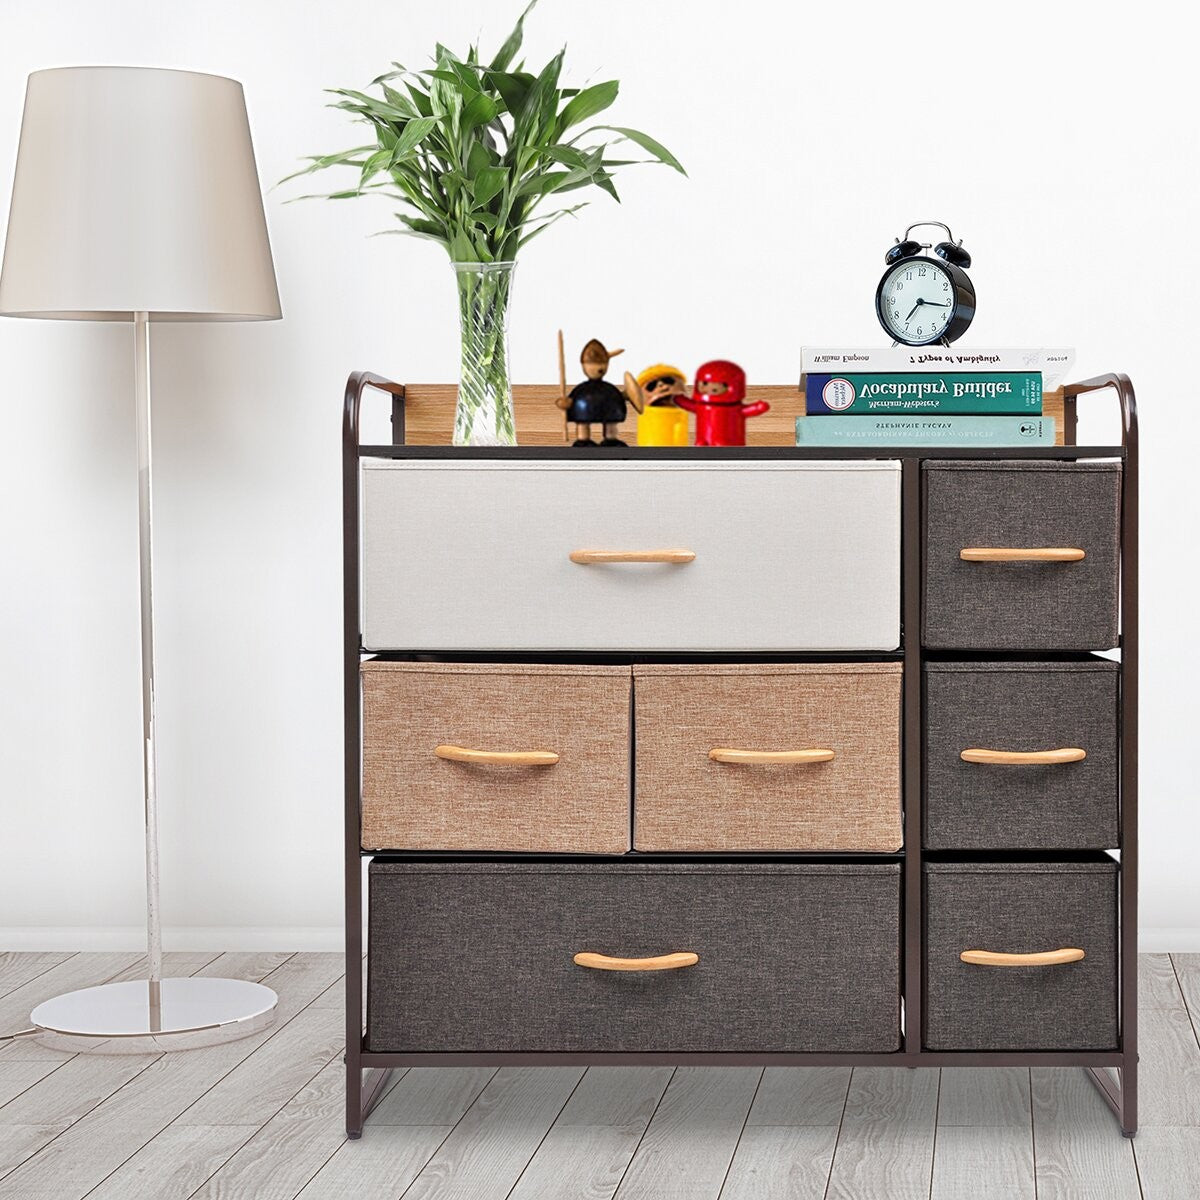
(1053, 364)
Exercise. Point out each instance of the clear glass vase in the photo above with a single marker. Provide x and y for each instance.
(484, 414)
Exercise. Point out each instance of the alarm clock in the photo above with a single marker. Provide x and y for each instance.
(925, 298)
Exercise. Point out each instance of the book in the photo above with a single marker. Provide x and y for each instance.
(1053, 364)
(983, 392)
(924, 431)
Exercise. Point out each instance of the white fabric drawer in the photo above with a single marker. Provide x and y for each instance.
(476, 555)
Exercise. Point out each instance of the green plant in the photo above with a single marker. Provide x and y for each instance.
(475, 150)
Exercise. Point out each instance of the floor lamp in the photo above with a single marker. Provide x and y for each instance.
(136, 198)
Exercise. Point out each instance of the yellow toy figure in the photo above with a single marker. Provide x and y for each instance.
(662, 422)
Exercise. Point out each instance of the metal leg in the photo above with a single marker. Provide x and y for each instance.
(354, 1105)
(1120, 1097)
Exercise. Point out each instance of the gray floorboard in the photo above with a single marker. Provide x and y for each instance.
(690, 1142)
(983, 1162)
(886, 1140)
(492, 1145)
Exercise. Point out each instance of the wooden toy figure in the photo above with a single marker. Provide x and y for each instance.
(595, 401)
(663, 422)
(719, 404)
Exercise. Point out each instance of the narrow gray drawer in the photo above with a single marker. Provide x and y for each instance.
(1021, 908)
(480, 956)
(1021, 605)
(1029, 708)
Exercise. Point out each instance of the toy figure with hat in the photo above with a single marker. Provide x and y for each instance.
(663, 422)
(595, 401)
(719, 404)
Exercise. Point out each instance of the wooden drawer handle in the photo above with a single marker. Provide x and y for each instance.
(584, 557)
(1022, 554)
(506, 758)
(1046, 958)
(663, 962)
(1023, 758)
(770, 756)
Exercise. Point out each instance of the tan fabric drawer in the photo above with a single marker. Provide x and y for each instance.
(413, 799)
(683, 800)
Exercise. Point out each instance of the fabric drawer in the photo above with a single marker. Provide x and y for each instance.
(687, 799)
(421, 792)
(1021, 908)
(478, 555)
(480, 956)
(1022, 506)
(1029, 708)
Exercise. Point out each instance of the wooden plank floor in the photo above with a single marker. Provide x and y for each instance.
(261, 1119)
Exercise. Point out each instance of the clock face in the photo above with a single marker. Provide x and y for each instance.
(917, 301)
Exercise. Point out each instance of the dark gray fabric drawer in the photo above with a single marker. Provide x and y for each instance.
(479, 956)
(1021, 908)
(1021, 605)
(1021, 706)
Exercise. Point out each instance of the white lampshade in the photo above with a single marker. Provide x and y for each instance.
(136, 191)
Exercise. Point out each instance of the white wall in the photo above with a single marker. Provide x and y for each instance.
(1058, 140)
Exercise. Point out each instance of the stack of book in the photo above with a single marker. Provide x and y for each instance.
(928, 396)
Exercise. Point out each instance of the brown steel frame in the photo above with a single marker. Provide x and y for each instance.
(367, 1071)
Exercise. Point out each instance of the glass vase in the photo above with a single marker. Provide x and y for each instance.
(484, 413)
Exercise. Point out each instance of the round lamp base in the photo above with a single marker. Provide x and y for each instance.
(118, 1018)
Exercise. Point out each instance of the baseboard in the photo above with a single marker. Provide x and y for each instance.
(1181, 940)
(184, 937)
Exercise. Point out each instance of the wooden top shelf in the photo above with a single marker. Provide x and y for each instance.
(429, 416)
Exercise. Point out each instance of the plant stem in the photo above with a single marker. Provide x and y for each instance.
(484, 414)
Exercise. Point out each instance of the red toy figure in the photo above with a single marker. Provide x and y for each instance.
(719, 404)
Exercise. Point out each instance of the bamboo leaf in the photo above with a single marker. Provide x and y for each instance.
(479, 157)
(513, 88)
(370, 103)
(562, 212)
(479, 110)
(453, 182)
(399, 101)
(398, 71)
(545, 183)
(604, 183)
(445, 75)
(512, 43)
(431, 237)
(542, 102)
(647, 143)
(587, 104)
(377, 162)
(417, 129)
(468, 77)
(420, 100)
(419, 225)
(567, 155)
(461, 247)
(320, 162)
(488, 183)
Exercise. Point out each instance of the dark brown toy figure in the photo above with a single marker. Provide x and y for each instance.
(595, 401)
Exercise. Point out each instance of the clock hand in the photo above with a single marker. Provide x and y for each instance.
(914, 309)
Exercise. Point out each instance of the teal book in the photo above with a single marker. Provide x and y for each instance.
(957, 393)
(920, 430)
